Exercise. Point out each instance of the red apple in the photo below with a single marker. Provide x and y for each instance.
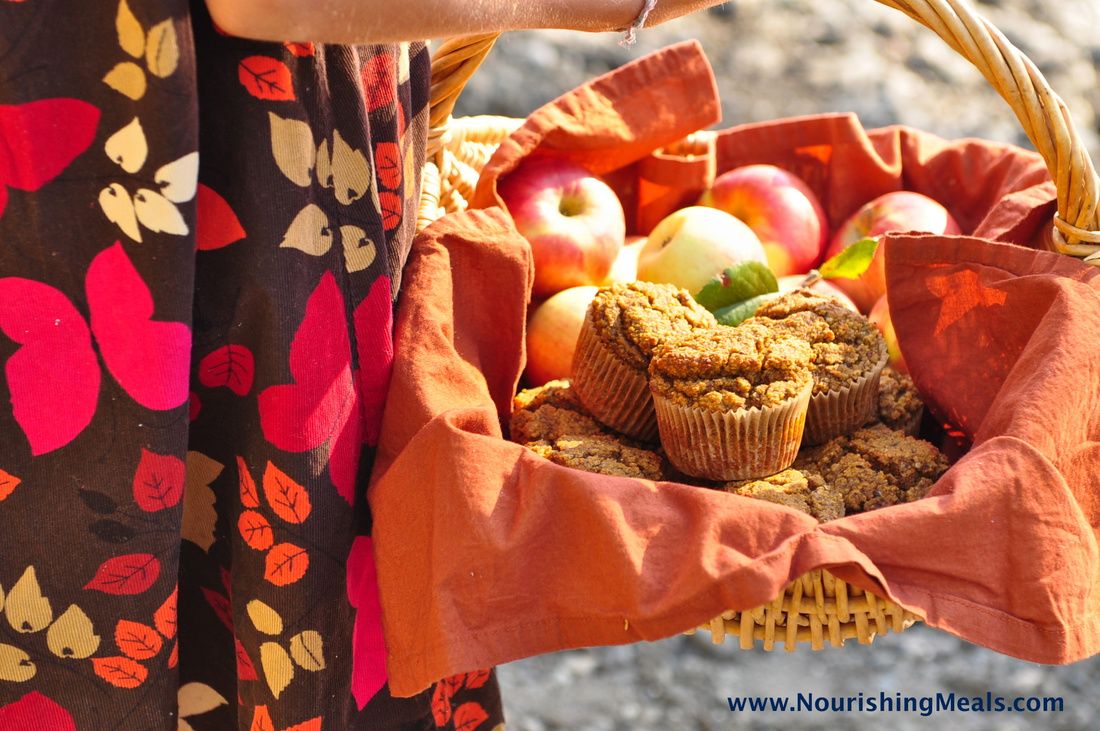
(573, 221)
(821, 286)
(691, 246)
(780, 209)
(880, 316)
(899, 211)
(552, 332)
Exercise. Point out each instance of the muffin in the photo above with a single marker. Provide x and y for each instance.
(849, 354)
(899, 404)
(550, 412)
(801, 491)
(875, 467)
(604, 455)
(731, 402)
(623, 326)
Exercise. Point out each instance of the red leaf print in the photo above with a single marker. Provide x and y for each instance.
(194, 406)
(303, 50)
(373, 321)
(121, 672)
(477, 678)
(36, 711)
(285, 564)
(469, 716)
(266, 78)
(216, 224)
(314, 724)
(164, 619)
(453, 683)
(379, 81)
(231, 366)
(174, 655)
(129, 574)
(392, 209)
(42, 138)
(387, 164)
(287, 498)
(250, 498)
(220, 604)
(158, 481)
(137, 641)
(441, 703)
(8, 483)
(255, 530)
(245, 669)
(261, 720)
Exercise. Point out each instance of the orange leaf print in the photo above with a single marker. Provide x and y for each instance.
(255, 530)
(8, 483)
(174, 655)
(477, 678)
(261, 720)
(387, 164)
(121, 672)
(441, 702)
(287, 498)
(314, 724)
(137, 641)
(469, 716)
(303, 50)
(285, 564)
(249, 497)
(266, 78)
(164, 619)
(391, 209)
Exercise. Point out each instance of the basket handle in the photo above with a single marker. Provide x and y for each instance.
(1042, 113)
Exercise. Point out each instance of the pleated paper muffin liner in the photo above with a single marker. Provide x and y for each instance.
(732, 445)
(614, 392)
(846, 410)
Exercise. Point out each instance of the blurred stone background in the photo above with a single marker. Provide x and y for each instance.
(779, 58)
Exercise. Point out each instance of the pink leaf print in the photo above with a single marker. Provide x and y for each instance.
(231, 366)
(216, 225)
(42, 138)
(373, 320)
(35, 711)
(125, 575)
(368, 656)
(158, 481)
(266, 78)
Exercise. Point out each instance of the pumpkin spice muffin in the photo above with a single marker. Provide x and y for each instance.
(875, 467)
(604, 455)
(623, 326)
(550, 412)
(802, 491)
(899, 404)
(731, 402)
(849, 354)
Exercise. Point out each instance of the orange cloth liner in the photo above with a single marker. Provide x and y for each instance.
(488, 553)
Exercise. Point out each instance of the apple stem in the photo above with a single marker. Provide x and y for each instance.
(812, 277)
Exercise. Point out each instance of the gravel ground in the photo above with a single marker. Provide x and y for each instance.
(778, 58)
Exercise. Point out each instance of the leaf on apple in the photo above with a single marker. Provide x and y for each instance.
(852, 262)
(738, 312)
(737, 284)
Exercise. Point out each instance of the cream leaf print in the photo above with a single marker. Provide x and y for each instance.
(292, 146)
(26, 609)
(359, 251)
(324, 165)
(15, 665)
(307, 649)
(1, 597)
(72, 635)
(162, 52)
(309, 232)
(403, 63)
(351, 172)
(119, 209)
(128, 147)
(179, 180)
(278, 669)
(199, 515)
(127, 79)
(157, 213)
(130, 34)
(195, 699)
(265, 619)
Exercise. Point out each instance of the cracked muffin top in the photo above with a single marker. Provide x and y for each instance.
(795, 489)
(633, 319)
(898, 400)
(730, 368)
(550, 411)
(846, 346)
(602, 454)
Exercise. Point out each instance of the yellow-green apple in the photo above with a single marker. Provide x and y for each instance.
(880, 316)
(821, 286)
(780, 209)
(552, 331)
(625, 268)
(572, 219)
(899, 211)
(691, 246)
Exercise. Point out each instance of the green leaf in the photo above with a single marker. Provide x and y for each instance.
(738, 312)
(851, 262)
(737, 284)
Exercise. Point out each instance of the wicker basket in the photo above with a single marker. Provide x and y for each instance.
(817, 608)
